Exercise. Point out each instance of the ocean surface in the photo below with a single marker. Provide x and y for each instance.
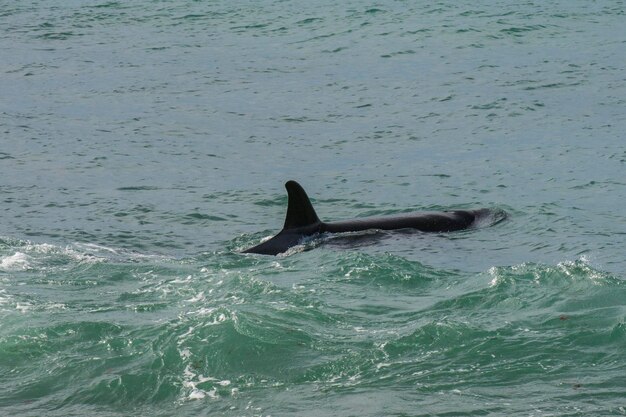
(144, 144)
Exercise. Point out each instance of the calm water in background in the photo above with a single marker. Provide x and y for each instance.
(143, 144)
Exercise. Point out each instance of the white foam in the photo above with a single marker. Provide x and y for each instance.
(94, 247)
(17, 262)
(185, 353)
(196, 394)
(36, 249)
(192, 380)
(23, 307)
(196, 298)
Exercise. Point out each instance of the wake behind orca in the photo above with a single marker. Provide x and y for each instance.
(302, 221)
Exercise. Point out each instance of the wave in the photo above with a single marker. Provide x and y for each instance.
(222, 332)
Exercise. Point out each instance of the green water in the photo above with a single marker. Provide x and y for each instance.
(317, 333)
(144, 145)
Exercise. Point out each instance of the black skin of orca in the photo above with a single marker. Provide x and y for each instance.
(302, 221)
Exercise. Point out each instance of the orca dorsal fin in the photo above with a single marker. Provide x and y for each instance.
(300, 211)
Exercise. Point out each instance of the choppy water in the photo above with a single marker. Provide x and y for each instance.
(142, 145)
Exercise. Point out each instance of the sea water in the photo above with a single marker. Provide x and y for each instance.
(144, 144)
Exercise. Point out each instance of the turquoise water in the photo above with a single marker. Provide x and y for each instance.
(143, 145)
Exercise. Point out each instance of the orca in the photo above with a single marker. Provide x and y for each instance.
(302, 221)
